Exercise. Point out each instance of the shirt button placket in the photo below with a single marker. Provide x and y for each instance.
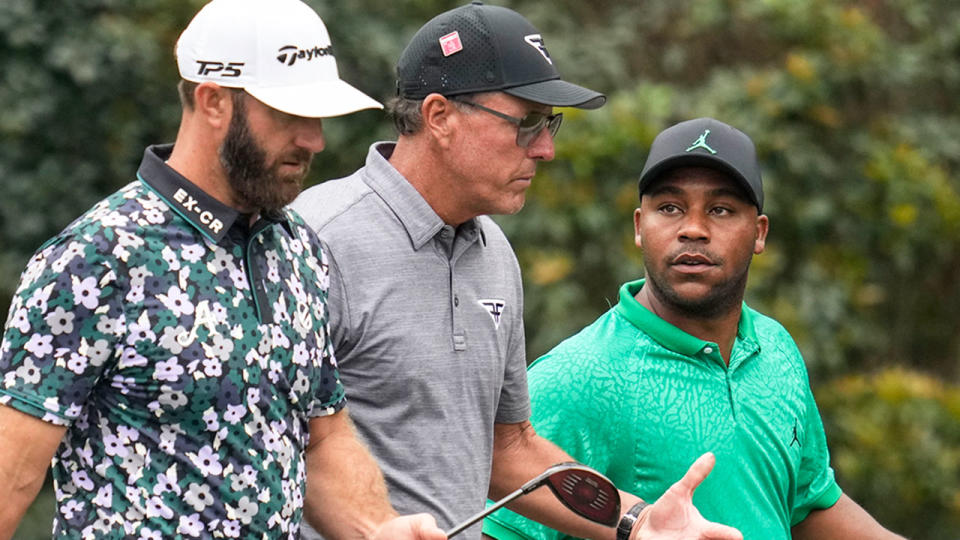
(459, 336)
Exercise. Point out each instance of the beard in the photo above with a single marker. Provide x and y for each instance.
(257, 184)
(721, 299)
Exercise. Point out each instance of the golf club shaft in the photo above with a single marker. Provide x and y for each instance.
(487, 511)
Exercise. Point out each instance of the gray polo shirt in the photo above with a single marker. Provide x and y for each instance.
(427, 324)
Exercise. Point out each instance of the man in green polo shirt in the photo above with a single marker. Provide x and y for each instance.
(681, 366)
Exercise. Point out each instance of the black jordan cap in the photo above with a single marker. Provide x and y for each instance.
(705, 142)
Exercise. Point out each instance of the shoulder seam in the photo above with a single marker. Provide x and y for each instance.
(345, 209)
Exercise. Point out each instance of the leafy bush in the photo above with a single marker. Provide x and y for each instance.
(895, 446)
(853, 106)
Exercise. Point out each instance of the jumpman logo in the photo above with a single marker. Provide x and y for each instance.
(795, 438)
(701, 142)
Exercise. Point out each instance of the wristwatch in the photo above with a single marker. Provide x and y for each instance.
(625, 527)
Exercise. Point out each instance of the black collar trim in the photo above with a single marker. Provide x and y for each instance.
(206, 214)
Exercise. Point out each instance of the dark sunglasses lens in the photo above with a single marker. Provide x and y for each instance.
(530, 125)
(554, 125)
(533, 123)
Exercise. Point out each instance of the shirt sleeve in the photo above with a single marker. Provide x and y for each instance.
(330, 396)
(338, 305)
(514, 403)
(817, 488)
(64, 324)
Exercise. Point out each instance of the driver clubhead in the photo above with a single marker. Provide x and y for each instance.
(581, 489)
(586, 492)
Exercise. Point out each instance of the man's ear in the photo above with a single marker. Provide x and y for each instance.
(637, 236)
(763, 227)
(439, 118)
(214, 104)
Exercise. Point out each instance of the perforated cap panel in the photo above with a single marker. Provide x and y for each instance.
(488, 48)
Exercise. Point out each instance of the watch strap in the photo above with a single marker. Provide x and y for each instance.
(625, 527)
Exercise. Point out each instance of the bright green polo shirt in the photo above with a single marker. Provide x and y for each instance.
(639, 399)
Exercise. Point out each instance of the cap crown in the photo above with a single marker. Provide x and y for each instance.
(705, 142)
(480, 48)
(278, 51)
(481, 61)
(251, 43)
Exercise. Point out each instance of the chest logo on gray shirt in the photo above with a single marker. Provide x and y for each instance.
(495, 308)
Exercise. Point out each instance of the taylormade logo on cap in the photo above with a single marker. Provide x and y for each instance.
(293, 53)
(278, 51)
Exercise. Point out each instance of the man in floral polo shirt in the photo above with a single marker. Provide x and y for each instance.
(169, 348)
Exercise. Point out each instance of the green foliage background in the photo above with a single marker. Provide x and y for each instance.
(853, 106)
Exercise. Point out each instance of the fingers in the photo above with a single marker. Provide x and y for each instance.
(411, 527)
(425, 527)
(721, 532)
(696, 473)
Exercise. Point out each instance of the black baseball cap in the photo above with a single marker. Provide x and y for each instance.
(705, 142)
(480, 48)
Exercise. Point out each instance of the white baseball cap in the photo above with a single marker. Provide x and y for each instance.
(279, 51)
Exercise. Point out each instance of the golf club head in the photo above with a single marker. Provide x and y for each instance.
(581, 489)
(585, 491)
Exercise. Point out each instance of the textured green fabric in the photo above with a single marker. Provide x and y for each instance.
(639, 400)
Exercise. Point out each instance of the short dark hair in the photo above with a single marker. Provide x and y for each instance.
(186, 88)
(406, 114)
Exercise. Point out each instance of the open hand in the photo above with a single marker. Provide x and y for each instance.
(674, 517)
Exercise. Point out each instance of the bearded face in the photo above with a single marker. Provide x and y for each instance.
(255, 176)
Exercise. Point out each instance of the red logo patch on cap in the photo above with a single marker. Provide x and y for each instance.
(450, 43)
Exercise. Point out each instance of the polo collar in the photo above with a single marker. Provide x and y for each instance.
(206, 214)
(418, 218)
(669, 335)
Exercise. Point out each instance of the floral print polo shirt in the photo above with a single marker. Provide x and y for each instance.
(185, 351)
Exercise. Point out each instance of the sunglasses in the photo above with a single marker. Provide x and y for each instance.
(529, 126)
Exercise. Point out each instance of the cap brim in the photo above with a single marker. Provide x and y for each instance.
(316, 100)
(698, 160)
(558, 93)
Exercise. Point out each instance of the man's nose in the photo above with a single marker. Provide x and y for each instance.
(310, 135)
(694, 227)
(541, 147)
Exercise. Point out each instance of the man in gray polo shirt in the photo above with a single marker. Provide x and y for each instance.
(425, 293)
